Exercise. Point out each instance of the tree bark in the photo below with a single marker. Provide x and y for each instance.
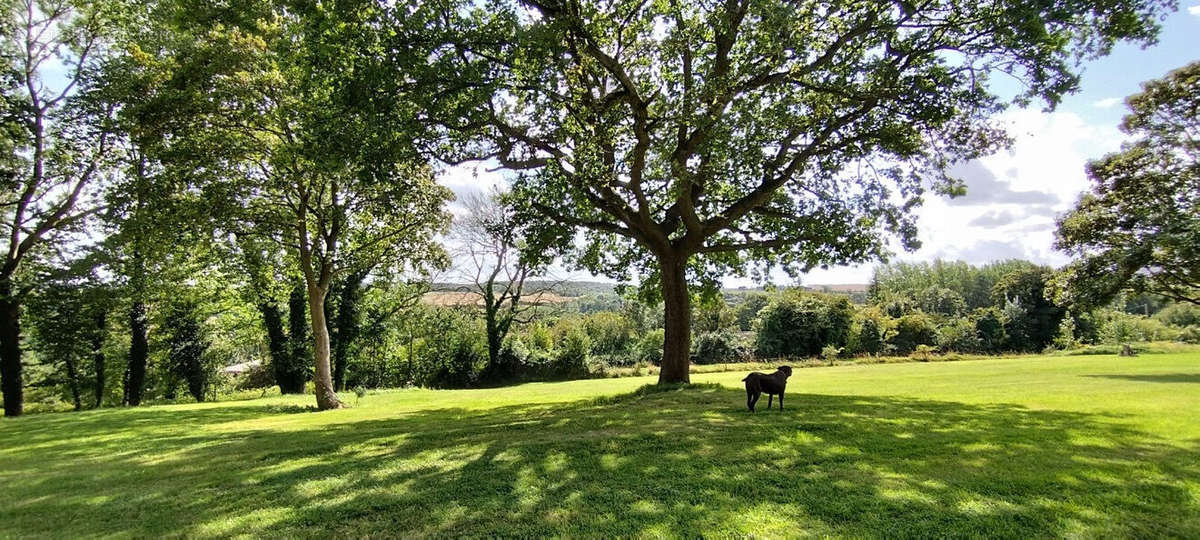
(677, 310)
(98, 355)
(73, 382)
(138, 350)
(10, 352)
(323, 376)
(494, 338)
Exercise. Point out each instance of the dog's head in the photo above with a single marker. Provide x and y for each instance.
(786, 370)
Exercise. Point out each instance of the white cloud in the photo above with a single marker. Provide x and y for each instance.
(1005, 219)
(1106, 103)
(1195, 10)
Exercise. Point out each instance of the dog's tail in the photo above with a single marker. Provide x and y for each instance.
(746, 379)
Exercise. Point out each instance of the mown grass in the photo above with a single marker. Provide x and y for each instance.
(1028, 447)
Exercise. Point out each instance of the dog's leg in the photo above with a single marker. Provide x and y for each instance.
(769, 398)
(750, 401)
(781, 401)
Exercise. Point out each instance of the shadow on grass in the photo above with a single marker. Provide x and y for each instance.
(1160, 378)
(677, 462)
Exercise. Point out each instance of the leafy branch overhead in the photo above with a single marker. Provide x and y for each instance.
(688, 141)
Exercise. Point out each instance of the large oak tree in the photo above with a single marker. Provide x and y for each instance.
(690, 140)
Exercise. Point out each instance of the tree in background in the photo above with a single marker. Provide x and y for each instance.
(68, 320)
(798, 324)
(691, 141)
(347, 323)
(59, 146)
(186, 346)
(497, 263)
(263, 264)
(1031, 319)
(1139, 227)
(274, 113)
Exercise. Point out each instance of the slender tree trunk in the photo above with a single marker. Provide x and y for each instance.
(10, 351)
(139, 348)
(73, 382)
(98, 355)
(677, 310)
(323, 376)
(494, 338)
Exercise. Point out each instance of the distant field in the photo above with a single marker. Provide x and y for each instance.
(453, 298)
(1094, 446)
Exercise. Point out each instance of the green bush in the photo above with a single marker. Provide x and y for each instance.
(256, 378)
(923, 353)
(609, 333)
(717, 348)
(1119, 327)
(958, 335)
(800, 324)
(867, 332)
(912, 330)
(650, 347)
(572, 355)
(1179, 315)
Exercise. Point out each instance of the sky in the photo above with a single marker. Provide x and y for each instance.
(1014, 196)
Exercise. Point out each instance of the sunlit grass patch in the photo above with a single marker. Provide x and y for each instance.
(1079, 446)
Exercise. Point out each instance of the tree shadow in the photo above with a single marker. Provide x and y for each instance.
(682, 463)
(1160, 378)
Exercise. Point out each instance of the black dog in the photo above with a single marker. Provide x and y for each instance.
(760, 383)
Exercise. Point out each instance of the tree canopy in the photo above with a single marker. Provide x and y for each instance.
(275, 112)
(688, 141)
(1139, 227)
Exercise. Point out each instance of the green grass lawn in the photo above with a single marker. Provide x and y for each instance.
(1074, 446)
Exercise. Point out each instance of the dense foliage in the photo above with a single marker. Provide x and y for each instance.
(204, 198)
(1139, 227)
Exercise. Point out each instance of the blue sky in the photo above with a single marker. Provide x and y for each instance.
(1014, 196)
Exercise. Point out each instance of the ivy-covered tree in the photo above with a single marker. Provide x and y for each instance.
(691, 140)
(1139, 227)
(186, 346)
(1032, 318)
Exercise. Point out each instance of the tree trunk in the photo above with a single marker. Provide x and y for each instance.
(677, 311)
(494, 338)
(297, 366)
(347, 327)
(10, 352)
(323, 376)
(73, 382)
(282, 363)
(98, 355)
(138, 350)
